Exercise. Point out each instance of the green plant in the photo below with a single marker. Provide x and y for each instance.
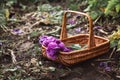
(74, 4)
(52, 13)
(115, 39)
(113, 7)
(99, 7)
(96, 7)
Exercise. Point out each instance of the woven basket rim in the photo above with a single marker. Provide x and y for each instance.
(74, 51)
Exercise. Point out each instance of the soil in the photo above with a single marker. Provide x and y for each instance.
(31, 65)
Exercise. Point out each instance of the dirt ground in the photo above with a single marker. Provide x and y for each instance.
(21, 58)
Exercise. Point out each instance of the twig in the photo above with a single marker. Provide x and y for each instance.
(13, 56)
(104, 59)
(96, 20)
(35, 24)
(102, 31)
(114, 49)
(15, 20)
(104, 73)
(51, 32)
(4, 28)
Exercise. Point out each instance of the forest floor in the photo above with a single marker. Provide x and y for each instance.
(21, 58)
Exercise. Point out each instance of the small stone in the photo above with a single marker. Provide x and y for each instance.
(40, 63)
(52, 68)
(118, 77)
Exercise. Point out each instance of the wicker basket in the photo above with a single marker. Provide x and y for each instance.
(96, 45)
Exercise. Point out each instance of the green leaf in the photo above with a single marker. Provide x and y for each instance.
(118, 46)
(110, 7)
(45, 7)
(88, 8)
(94, 15)
(7, 13)
(34, 34)
(70, 26)
(75, 46)
(117, 8)
(118, 30)
(113, 43)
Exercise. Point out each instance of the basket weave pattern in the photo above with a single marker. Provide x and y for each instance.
(96, 45)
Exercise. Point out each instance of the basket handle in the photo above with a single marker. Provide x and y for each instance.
(91, 41)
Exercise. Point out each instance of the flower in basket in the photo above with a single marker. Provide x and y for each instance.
(53, 46)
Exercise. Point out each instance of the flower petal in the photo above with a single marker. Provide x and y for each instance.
(52, 45)
(51, 53)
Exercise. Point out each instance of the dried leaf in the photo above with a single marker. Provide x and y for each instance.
(34, 61)
(25, 46)
(7, 13)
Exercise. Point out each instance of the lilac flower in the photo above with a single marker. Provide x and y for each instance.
(51, 39)
(108, 68)
(45, 43)
(1, 43)
(105, 66)
(53, 45)
(41, 39)
(61, 45)
(97, 27)
(78, 30)
(67, 49)
(43, 17)
(51, 53)
(17, 31)
(71, 21)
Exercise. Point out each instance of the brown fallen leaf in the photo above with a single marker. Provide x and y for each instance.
(25, 46)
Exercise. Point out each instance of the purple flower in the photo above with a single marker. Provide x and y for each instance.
(51, 39)
(71, 21)
(61, 45)
(45, 43)
(67, 49)
(97, 27)
(78, 30)
(17, 31)
(43, 17)
(42, 39)
(54, 46)
(103, 64)
(57, 41)
(1, 43)
(107, 68)
(52, 53)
